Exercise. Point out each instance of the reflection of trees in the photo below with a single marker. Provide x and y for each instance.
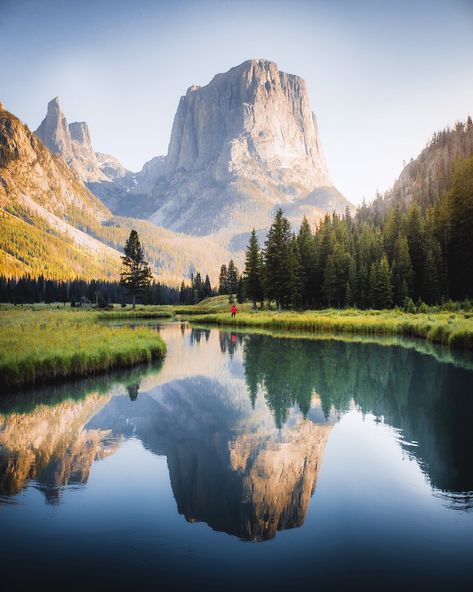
(132, 390)
(229, 342)
(430, 401)
(283, 372)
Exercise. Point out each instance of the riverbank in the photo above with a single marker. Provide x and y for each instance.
(453, 329)
(37, 346)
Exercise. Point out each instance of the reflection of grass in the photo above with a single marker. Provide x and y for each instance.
(41, 345)
(446, 328)
(25, 401)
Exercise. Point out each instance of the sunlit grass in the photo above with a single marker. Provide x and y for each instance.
(41, 345)
(454, 329)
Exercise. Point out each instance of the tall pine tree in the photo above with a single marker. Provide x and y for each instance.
(253, 280)
(136, 276)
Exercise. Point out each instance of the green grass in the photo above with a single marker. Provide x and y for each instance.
(454, 329)
(215, 304)
(139, 313)
(42, 345)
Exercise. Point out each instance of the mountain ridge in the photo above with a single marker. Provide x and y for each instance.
(52, 225)
(240, 147)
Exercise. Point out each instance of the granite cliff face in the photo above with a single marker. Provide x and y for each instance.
(241, 146)
(253, 121)
(72, 142)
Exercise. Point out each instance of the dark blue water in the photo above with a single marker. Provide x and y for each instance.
(244, 462)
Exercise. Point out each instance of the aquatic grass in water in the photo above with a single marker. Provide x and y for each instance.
(37, 346)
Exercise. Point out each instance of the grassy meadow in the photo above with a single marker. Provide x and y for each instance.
(450, 328)
(39, 344)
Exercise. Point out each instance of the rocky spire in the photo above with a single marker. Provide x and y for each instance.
(54, 131)
(71, 141)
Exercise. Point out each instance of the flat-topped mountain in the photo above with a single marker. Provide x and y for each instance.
(241, 146)
(253, 121)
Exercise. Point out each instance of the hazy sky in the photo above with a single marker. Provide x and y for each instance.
(382, 76)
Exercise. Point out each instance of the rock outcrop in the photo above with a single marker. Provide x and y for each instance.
(53, 225)
(45, 209)
(72, 142)
(241, 146)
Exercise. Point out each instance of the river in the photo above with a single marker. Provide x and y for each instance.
(244, 461)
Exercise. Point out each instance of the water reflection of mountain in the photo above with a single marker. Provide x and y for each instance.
(50, 446)
(241, 425)
(430, 402)
(229, 466)
(43, 438)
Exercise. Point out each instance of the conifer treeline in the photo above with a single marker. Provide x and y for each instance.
(27, 290)
(370, 261)
(197, 290)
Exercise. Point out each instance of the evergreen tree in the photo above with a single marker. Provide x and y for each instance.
(136, 276)
(460, 222)
(223, 280)
(253, 281)
(380, 284)
(182, 293)
(198, 288)
(240, 290)
(430, 289)
(296, 275)
(415, 239)
(401, 271)
(306, 248)
(232, 277)
(207, 287)
(276, 258)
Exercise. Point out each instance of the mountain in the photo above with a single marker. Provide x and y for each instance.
(426, 178)
(44, 206)
(240, 146)
(71, 141)
(53, 225)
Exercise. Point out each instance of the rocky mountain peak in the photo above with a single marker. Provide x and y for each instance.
(80, 132)
(240, 146)
(253, 121)
(54, 131)
(72, 142)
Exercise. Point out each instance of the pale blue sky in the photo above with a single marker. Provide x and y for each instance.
(382, 76)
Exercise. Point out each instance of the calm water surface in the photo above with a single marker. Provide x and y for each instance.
(244, 462)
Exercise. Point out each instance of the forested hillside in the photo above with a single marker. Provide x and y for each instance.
(413, 245)
(53, 226)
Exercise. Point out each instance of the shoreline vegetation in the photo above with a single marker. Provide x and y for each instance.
(445, 328)
(452, 328)
(38, 345)
(42, 343)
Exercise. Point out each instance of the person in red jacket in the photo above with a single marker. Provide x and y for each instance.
(234, 311)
